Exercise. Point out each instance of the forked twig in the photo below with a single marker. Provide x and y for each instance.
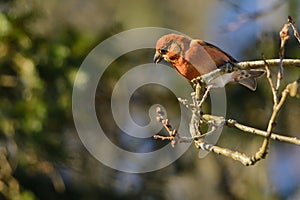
(263, 150)
(269, 78)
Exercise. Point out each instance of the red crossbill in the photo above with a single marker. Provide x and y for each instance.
(193, 58)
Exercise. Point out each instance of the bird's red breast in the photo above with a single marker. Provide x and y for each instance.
(193, 58)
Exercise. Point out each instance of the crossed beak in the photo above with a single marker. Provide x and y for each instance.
(157, 57)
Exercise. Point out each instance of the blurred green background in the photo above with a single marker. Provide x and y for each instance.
(42, 45)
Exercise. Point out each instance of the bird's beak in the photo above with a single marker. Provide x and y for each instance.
(157, 57)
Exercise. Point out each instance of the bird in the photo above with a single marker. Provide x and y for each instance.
(194, 57)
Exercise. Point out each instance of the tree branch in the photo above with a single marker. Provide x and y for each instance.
(247, 129)
(235, 155)
(207, 78)
(271, 63)
(217, 121)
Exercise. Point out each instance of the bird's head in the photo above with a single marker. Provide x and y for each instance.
(169, 47)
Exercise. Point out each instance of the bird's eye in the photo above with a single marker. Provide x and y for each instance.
(163, 51)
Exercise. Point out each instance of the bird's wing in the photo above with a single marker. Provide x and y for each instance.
(221, 56)
(199, 57)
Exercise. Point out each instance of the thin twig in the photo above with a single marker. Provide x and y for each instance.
(274, 136)
(284, 37)
(161, 118)
(269, 78)
(205, 95)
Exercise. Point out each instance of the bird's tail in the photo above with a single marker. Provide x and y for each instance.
(247, 78)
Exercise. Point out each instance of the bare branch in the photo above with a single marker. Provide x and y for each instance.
(217, 121)
(269, 77)
(202, 88)
(233, 123)
(235, 155)
(271, 63)
(262, 152)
